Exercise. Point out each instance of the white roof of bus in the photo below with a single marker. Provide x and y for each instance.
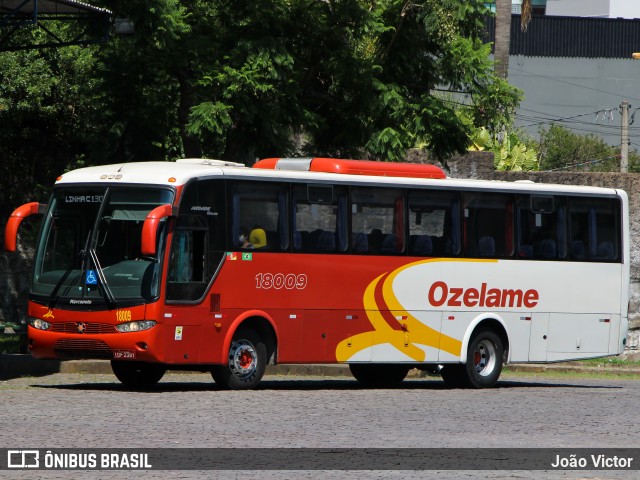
(180, 172)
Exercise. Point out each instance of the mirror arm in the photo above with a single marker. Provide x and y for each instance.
(150, 228)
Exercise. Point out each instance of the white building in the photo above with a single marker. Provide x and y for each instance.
(593, 8)
(582, 8)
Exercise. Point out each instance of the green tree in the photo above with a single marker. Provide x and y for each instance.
(562, 148)
(45, 101)
(239, 79)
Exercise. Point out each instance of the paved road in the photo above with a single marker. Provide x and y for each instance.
(188, 411)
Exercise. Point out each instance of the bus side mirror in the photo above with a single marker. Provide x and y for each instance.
(150, 228)
(19, 214)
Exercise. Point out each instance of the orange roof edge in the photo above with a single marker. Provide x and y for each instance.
(353, 167)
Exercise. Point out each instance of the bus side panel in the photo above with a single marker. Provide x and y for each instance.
(397, 309)
(519, 333)
(183, 329)
(578, 334)
(539, 335)
(614, 337)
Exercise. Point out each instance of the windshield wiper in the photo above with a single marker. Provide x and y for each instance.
(53, 298)
(106, 290)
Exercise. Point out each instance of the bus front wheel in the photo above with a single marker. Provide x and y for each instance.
(137, 374)
(247, 361)
(379, 375)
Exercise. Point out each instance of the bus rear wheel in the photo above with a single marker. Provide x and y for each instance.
(247, 361)
(379, 375)
(137, 374)
(484, 363)
(484, 359)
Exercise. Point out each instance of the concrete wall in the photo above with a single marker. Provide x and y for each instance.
(559, 88)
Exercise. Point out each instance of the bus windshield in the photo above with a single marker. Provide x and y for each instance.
(89, 249)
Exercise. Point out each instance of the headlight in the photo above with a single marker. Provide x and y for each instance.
(136, 326)
(39, 324)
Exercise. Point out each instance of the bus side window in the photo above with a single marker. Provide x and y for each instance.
(319, 218)
(488, 225)
(433, 223)
(541, 227)
(594, 229)
(259, 210)
(379, 214)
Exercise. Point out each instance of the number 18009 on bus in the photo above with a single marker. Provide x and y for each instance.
(212, 266)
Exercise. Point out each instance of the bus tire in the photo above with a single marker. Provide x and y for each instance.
(454, 376)
(484, 359)
(247, 361)
(379, 375)
(137, 374)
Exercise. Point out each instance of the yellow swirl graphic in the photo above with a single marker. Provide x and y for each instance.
(413, 331)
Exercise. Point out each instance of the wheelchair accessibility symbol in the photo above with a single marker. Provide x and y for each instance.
(91, 278)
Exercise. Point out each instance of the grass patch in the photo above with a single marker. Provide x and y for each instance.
(614, 361)
(555, 374)
(10, 343)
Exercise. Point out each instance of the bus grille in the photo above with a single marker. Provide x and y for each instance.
(81, 348)
(89, 328)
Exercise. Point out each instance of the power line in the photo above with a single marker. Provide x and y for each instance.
(581, 164)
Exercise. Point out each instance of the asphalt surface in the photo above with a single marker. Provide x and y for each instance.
(189, 412)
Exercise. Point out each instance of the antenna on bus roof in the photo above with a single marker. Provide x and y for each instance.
(125, 162)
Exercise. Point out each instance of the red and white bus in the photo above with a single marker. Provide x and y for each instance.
(213, 266)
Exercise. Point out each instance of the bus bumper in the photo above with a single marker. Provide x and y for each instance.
(140, 346)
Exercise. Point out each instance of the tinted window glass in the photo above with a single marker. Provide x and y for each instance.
(199, 240)
(259, 218)
(488, 225)
(541, 224)
(595, 229)
(319, 218)
(378, 214)
(434, 219)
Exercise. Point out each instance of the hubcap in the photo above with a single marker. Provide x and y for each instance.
(485, 358)
(242, 358)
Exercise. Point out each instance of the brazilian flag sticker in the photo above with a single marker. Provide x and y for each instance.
(247, 256)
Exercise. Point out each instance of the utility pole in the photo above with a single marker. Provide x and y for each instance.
(624, 138)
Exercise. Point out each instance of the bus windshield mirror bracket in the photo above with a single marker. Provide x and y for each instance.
(150, 229)
(16, 218)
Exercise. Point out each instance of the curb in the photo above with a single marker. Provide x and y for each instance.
(22, 365)
(19, 365)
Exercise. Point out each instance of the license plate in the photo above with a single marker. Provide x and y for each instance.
(124, 354)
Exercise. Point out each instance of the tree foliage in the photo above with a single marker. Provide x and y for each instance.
(562, 148)
(514, 151)
(247, 79)
(239, 80)
(46, 100)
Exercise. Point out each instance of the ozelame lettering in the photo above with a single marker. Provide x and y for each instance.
(440, 295)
